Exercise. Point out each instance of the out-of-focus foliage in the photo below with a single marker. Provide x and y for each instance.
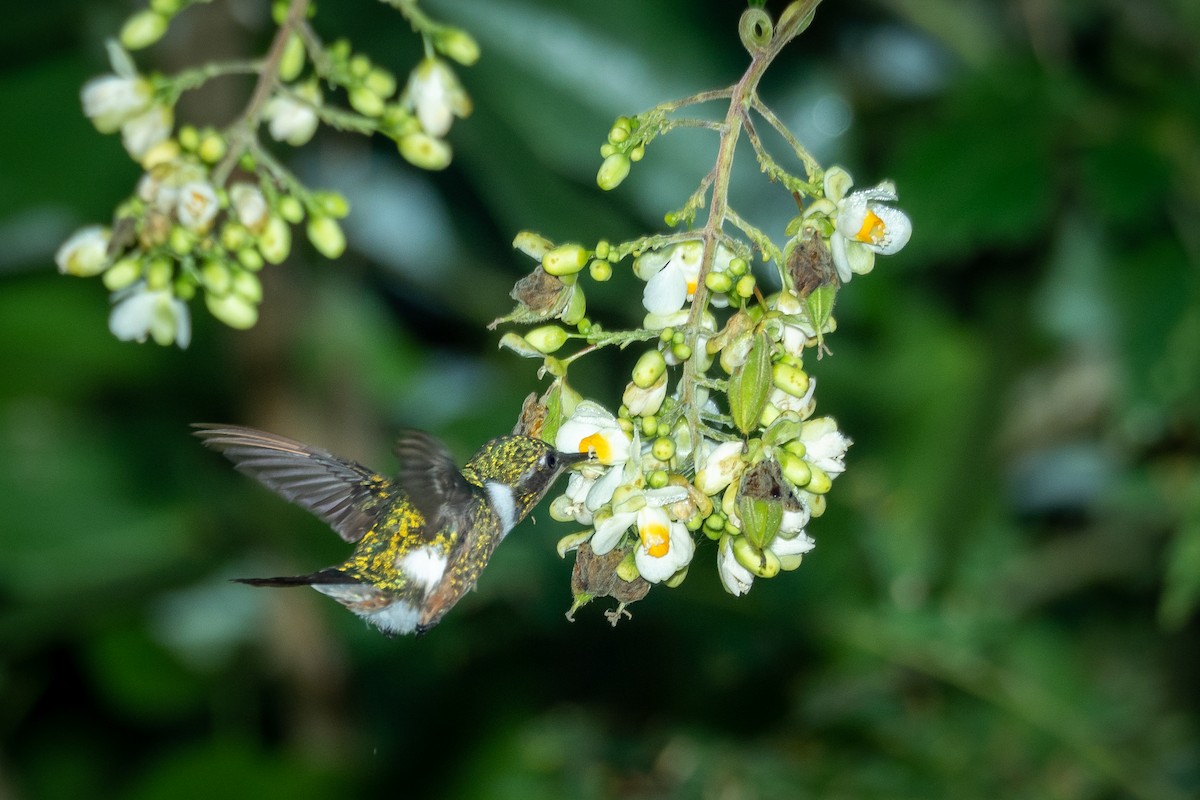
(1005, 598)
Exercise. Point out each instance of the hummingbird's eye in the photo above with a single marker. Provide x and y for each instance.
(550, 460)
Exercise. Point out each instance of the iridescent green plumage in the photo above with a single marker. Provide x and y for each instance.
(422, 538)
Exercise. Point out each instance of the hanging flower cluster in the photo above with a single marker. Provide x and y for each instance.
(716, 436)
(214, 206)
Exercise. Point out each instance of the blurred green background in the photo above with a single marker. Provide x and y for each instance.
(1002, 601)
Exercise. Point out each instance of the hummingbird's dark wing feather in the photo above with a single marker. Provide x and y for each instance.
(344, 494)
(433, 482)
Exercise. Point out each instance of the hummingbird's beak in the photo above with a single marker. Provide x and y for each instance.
(571, 459)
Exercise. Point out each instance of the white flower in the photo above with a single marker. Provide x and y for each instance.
(109, 101)
(85, 253)
(592, 428)
(139, 313)
(864, 225)
(797, 330)
(197, 206)
(293, 119)
(664, 547)
(645, 402)
(671, 276)
(736, 578)
(249, 205)
(435, 94)
(721, 466)
(149, 128)
(626, 509)
(825, 446)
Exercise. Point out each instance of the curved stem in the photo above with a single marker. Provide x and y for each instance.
(243, 132)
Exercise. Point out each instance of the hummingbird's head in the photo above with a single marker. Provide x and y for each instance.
(527, 467)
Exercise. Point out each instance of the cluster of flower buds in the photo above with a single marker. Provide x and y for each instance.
(716, 436)
(213, 206)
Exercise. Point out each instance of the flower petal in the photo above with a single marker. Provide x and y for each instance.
(665, 292)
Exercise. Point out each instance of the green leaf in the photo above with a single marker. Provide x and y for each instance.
(751, 385)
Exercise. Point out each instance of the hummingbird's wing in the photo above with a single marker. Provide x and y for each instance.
(433, 482)
(344, 494)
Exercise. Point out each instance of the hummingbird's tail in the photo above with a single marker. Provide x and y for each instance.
(323, 577)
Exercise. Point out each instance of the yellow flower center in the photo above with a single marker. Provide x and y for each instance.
(596, 443)
(873, 229)
(691, 284)
(656, 539)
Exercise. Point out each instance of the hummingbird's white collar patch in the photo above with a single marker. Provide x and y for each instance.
(503, 503)
(398, 617)
(425, 566)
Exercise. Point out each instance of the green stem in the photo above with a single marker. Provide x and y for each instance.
(741, 97)
(191, 79)
(812, 167)
(244, 131)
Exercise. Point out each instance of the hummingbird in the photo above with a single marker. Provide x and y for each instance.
(421, 538)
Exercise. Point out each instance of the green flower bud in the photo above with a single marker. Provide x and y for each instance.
(627, 570)
(820, 482)
(607, 150)
(381, 82)
(533, 245)
(181, 241)
(658, 479)
(618, 134)
(143, 29)
(518, 345)
(648, 369)
(121, 274)
(326, 236)
(332, 204)
(159, 273)
(745, 286)
(566, 259)
(797, 447)
(600, 270)
(166, 7)
(738, 266)
(189, 137)
(816, 504)
(547, 338)
(292, 62)
(749, 386)
(360, 65)
(457, 44)
(675, 580)
(715, 523)
(232, 309)
(248, 286)
(719, 282)
(275, 242)
(576, 308)
(184, 288)
(650, 425)
(763, 563)
(291, 209)
(663, 448)
(366, 102)
(250, 258)
(423, 151)
(212, 147)
(795, 468)
(790, 562)
(234, 236)
(602, 248)
(681, 350)
(215, 276)
(614, 170)
(637, 153)
(790, 379)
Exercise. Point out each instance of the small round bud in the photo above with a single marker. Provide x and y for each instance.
(719, 282)
(85, 253)
(600, 270)
(648, 369)
(790, 379)
(332, 204)
(618, 134)
(614, 170)
(121, 274)
(657, 479)
(159, 273)
(607, 150)
(181, 241)
(275, 242)
(166, 7)
(547, 339)
(143, 29)
(745, 286)
(663, 449)
(566, 259)
(576, 308)
(649, 425)
(738, 266)
(291, 209)
(667, 334)
(184, 288)
(627, 570)
(381, 82)
(681, 351)
(424, 151)
(215, 276)
(326, 236)
(212, 147)
(602, 248)
(250, 258)
(232, 309)
(189, 137)
(234, 236)
(637, 153)
(820, 482)
(292, 62)
(248, 286)
(360, 65)
(457, 44)
(794, 468)
(366, 102)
